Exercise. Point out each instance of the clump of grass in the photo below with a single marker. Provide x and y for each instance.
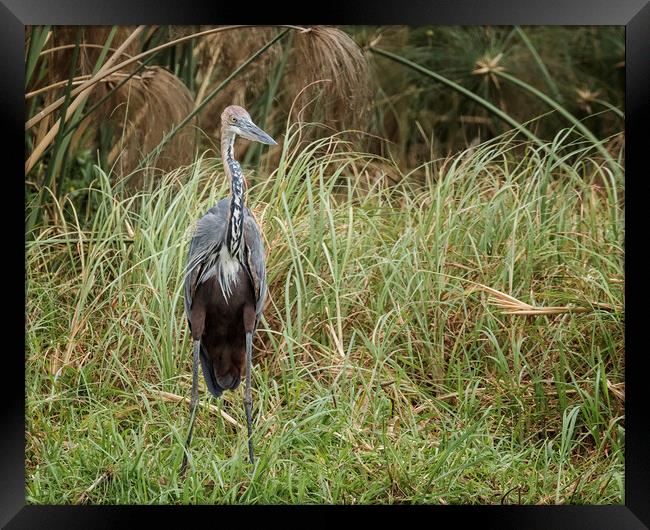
(329, 55)
(377, 376)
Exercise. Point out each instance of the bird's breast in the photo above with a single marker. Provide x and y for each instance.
(227, 269)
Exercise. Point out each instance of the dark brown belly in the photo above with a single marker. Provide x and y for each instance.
(224, 336)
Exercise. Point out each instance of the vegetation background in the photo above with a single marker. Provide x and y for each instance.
(444, 224)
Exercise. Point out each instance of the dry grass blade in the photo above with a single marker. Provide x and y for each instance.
(175, 398)
(551, 310)
(85, 494)
(618, 389)
(81, 45)
(511, 306)
(76, 82)
(504, 299)
(206, 73)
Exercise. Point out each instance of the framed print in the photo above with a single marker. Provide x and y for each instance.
(389, 259)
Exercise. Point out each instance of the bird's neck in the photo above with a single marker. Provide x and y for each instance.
(236, 215)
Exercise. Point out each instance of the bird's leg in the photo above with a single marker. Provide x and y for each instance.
(194, 401)
(248, 400)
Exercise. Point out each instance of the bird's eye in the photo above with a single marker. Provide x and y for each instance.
(233, 119)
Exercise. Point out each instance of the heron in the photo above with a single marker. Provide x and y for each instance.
(225, 281)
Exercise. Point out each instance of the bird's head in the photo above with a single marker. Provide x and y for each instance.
(235, 119)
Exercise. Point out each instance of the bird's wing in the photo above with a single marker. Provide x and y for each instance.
(208, 238)
(255, 260)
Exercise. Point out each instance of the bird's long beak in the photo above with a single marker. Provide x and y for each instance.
(252, 132)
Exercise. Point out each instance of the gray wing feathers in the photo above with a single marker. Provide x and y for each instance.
(209, 235)
(255, 259)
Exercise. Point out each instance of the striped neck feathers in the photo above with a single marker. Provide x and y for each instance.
(236, 215)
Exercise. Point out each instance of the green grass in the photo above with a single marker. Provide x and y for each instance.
(380, 374)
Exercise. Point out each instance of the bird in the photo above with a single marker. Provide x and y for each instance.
(225, 281)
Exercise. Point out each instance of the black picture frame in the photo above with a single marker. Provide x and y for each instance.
(633, 14)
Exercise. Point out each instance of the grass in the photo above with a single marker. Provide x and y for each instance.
(382, 374)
